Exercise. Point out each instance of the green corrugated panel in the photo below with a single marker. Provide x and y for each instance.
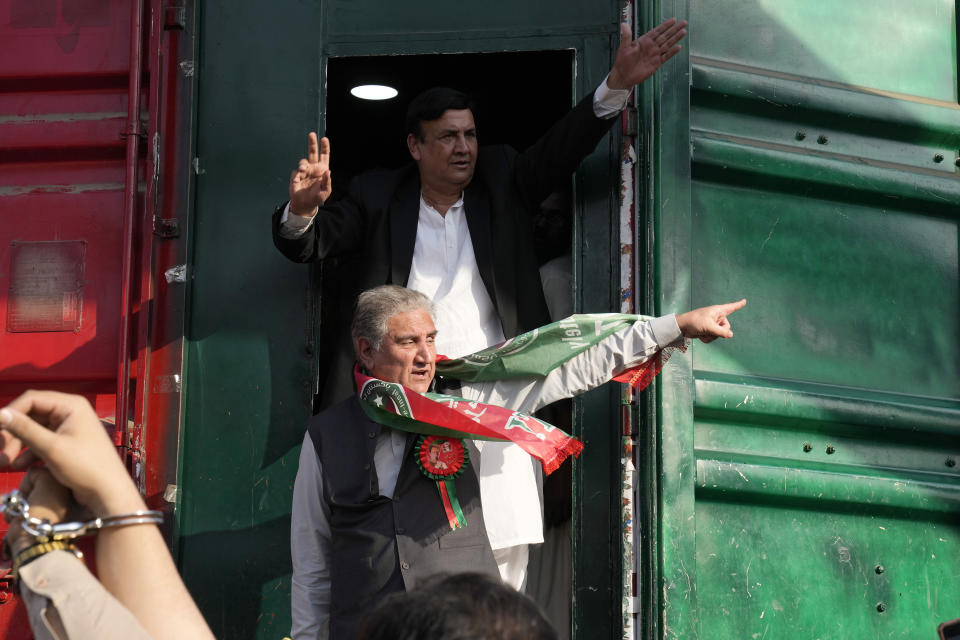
(809, 482)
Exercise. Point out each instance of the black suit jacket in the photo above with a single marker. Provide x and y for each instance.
(367, 238)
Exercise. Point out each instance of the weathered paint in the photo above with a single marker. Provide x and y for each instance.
(809, 484)
(88, 158)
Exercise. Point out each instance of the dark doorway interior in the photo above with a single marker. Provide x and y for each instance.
(518, 95)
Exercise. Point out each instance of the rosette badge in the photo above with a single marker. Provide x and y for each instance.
(442, 459)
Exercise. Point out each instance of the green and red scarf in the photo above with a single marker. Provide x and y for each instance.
(530, 355)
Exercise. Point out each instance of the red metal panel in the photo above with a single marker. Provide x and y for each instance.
(63, 91)
(64, 158)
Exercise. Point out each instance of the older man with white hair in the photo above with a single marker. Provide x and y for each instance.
(372, 512)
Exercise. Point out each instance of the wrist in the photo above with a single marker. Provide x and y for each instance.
(615, 82)
(113, 504)
(682, 323)
(305, 214)
(16, 540)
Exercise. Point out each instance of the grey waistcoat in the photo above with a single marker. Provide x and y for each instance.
(382, 545)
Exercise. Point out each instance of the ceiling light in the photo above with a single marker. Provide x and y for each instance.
(373, 92)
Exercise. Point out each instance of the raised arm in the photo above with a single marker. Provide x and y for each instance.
(547, 165)
(639, 59)
(132, 561)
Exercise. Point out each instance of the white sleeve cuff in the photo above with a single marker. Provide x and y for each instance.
(293, 226)
(665, 330)
(609, 102)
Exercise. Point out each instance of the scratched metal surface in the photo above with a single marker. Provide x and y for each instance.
(63, 92)
(810, 486)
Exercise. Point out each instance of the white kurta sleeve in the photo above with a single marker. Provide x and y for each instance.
(609, 102)
(310, 550)
(293, 226)
(614, 354)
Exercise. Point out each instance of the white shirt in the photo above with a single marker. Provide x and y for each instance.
(444, 268)
(310, 528)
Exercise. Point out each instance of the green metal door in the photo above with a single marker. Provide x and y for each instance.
(249, 371)
(803, 475)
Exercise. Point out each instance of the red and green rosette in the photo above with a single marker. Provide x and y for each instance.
(442, 459)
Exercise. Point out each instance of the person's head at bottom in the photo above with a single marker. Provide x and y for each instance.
(463, 606)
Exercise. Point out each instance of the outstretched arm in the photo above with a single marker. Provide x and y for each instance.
(132, 561)
(639, 59)
(709, 323)
(611, 356)
(310, 184)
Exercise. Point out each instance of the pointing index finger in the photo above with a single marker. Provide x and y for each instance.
(730, 307)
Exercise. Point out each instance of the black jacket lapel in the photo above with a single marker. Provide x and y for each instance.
(404, 216)
(476, 202)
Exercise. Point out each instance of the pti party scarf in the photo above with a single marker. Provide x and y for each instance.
(444, 419)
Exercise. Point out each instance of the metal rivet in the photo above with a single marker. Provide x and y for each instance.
(881, 607)
(800, 135)
(951, 462)
(807, 447)
(938, 157)
(879, 569)
(822, 140)
(830, 448)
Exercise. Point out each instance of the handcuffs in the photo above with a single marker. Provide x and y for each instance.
(15, 507)
(60, 536)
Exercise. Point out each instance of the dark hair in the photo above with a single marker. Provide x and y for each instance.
(464, 606)
(430, 105)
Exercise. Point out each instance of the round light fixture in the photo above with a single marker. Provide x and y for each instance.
(373, 92)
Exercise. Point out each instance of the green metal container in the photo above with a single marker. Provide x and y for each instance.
(806, 471)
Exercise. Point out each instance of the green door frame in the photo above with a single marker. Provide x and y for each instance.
(666, 584)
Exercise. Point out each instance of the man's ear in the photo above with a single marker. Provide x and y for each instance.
(413, 145)
(365, 353)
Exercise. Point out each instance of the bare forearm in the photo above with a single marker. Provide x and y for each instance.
(136, 568)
